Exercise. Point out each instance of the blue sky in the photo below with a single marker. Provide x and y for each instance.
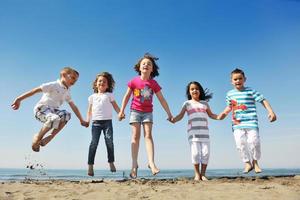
(195, 40)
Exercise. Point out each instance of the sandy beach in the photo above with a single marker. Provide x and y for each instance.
(237, 188)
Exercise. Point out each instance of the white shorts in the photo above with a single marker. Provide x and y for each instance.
(200, 152)
(248, 144)
(51, 117)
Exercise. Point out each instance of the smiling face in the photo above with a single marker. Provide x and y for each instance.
(194, 92)
(102, 84)
(69, 78)
(146, 67)
(238, 80)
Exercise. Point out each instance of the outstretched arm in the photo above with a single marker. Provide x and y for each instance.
(179, 116)
(89, 113)
(223, 114)
(77, 113)
(210, 114)
(125, 100)
(17, 102)
(271, 114)
(115, 106)
(164, 104)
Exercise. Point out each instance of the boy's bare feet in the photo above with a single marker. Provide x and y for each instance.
(35, 143)
(203, 178)
(112, 167)
(91, 170)
(197, 177)
(257, 169)
(248, 167)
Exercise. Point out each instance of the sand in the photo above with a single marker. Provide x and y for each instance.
(237, 188)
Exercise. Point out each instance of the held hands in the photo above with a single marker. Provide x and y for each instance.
(121, 116)
(84, 123)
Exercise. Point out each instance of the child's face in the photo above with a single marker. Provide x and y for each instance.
(146, 66)
(194, 92)
(69, 79)
(102, 84)
(238, 80)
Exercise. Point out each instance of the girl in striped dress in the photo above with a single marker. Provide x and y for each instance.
(198, 112)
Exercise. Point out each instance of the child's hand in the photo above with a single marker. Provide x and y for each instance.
(171, 119)
(84, 123)
(121, 116)
(221, 116)
(16, 104)
(272, 117)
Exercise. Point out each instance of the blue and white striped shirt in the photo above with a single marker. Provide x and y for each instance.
(243, 106)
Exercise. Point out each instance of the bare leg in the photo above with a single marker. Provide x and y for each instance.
(38, 137)
(197, 172)
(47, 139)
(135, 143)
(257, 169)
(203, 171)
(150, 147)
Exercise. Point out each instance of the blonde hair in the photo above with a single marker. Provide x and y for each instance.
(110, 82)
(69, 70)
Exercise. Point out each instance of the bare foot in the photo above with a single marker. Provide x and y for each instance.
(35, 143)
(133, 173)
(153, 169)
(248, 168)
(197, 177)
(257, 169)
(91, 170)
(203, 178)
(112, 167)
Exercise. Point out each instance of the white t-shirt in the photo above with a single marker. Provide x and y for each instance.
(54, 94)
(101, 105)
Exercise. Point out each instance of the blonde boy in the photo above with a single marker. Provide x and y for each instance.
(47, 109)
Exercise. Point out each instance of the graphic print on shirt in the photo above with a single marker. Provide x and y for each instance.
(144, 94)
(236, 110)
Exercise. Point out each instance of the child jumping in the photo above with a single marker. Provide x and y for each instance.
(47, 109)
(198, 112)
(100, 112)
(143, 87)
(241, 101)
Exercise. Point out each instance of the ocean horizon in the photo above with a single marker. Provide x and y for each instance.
(41, 174)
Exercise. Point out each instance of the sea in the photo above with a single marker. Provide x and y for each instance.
(42, 174)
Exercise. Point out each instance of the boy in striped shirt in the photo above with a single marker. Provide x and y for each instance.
(241, 101)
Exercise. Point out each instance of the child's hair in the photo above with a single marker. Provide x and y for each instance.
(110, 82)
(204, 94)
(69, 70)
(155, 66)
(238, 71)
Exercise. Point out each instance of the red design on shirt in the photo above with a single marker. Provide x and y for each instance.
(235, 106)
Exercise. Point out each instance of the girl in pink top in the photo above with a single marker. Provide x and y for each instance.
(142, 88)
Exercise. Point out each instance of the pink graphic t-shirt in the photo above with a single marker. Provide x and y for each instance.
(143, 91)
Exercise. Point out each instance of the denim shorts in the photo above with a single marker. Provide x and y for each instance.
(140, 117)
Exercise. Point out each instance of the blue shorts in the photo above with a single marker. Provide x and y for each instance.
(140, 117)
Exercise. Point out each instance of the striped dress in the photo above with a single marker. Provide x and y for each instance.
(242, 103)
(197, 120)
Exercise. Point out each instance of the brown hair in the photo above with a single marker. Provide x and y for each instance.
(155, 66)
(110, 80)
